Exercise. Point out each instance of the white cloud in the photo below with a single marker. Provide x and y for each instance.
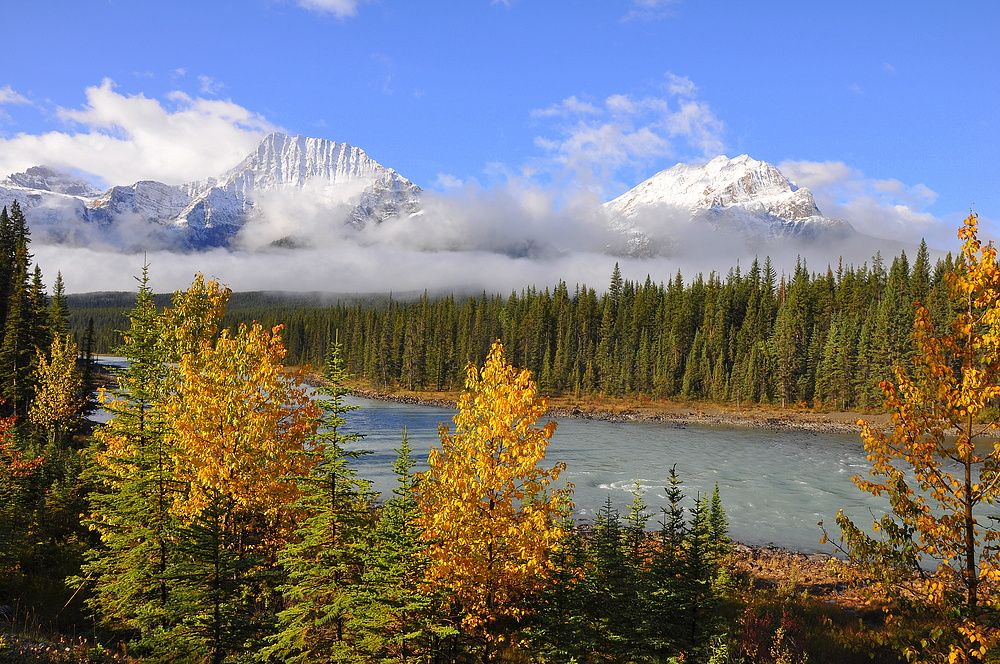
(209, 85)
(886, 209)
(125, 138)
(567, 107)
(339, 8)
(448, 181)
(650, 9)
(8, 96)
(598, 140)
(682, 86)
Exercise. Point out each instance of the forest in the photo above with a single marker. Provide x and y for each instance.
(216, 515)
(815, 339)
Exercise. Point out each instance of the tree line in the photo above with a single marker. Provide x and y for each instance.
(820, 339)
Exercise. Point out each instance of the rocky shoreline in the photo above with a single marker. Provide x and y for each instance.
(677, 415)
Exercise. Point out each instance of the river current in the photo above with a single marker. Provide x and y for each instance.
(775, 486)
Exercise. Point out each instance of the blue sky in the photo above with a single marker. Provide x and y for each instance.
(887, 110)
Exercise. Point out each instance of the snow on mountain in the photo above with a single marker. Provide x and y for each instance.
(212, 212)
(45, 178)
(739, 195)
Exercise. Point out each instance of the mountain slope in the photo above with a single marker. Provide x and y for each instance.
(212, 212)
(740, 195)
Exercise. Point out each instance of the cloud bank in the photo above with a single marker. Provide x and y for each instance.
(539, 225)
(121, 139)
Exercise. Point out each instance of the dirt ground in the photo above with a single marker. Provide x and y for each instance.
(645, 409)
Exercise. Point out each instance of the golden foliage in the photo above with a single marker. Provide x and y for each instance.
(240, 421)
(488, 509)
(58, 397)
(937, 466)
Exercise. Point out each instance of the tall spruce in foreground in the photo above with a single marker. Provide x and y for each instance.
(324, 558)
(133, 471)
(395, 621)
(17, 349)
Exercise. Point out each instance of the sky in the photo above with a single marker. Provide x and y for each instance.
(887, 110)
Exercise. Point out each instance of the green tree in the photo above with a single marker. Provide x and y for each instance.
(134, 475)
(324, 557)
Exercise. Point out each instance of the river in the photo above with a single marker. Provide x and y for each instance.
(775, 486)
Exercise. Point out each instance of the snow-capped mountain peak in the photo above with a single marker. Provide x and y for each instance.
(741, 195)
(721, 183)
(213, 211)
(46, 178)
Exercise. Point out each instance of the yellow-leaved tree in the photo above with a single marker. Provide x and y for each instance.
(936, 552)
(488, 509)
(59, 400)
(240, 422)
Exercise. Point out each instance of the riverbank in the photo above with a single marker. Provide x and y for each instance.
(680, 413)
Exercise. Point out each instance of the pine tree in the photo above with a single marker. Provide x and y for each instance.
(17, 352)
(324, 556)
(394, 620)
(58, 313)
(133, 471)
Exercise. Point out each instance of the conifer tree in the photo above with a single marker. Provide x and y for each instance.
(394, 619)
(58, 314)
(665, 594)
(18, 471)
(17, 350)
(133, 471)
(324, 556)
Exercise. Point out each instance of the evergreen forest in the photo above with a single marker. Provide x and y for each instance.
(824, 339)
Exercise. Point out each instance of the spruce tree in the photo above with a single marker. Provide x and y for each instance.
(134, 477)
(17, 350)
(324, 559)
(58, 314)
(394, 620)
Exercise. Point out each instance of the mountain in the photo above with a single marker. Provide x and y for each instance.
(740, 196)
(212, 212)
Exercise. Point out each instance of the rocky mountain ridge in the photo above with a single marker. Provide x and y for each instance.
(739, 195)
(339, 185)
(211, 212)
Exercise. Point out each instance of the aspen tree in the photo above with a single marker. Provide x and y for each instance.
(58, 398)
(488, 510)
(937, 550)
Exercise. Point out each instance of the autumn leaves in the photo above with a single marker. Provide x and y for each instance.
(488, 509)
(232, 527)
